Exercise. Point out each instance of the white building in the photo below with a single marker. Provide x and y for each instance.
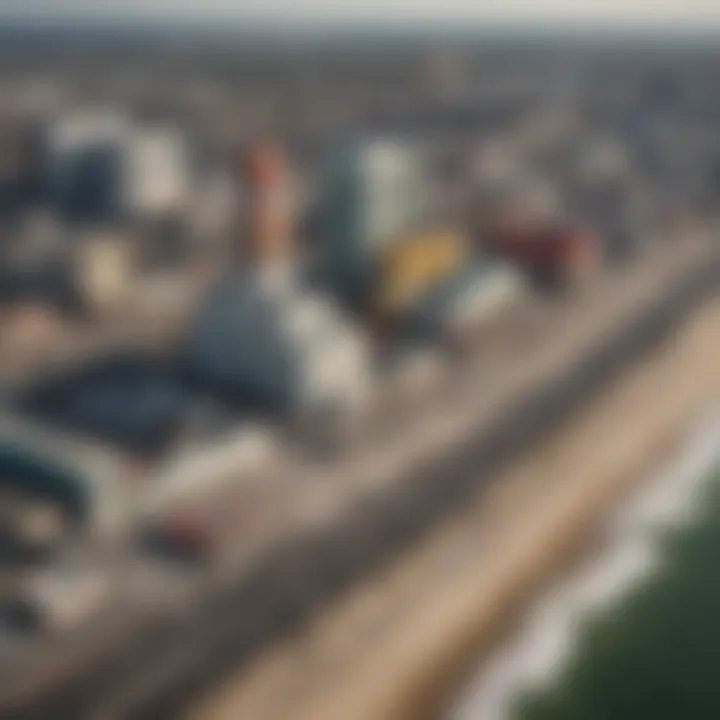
(102, 167)
(262, 335)
(157, 172)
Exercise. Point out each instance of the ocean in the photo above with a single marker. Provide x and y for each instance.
(635, 634)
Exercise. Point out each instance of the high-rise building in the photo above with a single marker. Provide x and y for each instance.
(376, 197)
(268, 241)
(102, 168)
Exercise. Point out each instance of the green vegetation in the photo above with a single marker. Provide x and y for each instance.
(656, 656)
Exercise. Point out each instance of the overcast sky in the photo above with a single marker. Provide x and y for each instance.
(700, 14)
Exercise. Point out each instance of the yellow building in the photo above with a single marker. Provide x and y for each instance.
(409, 268)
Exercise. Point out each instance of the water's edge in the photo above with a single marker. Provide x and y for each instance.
(542, 646)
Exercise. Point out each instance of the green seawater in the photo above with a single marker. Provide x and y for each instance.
(656, 654)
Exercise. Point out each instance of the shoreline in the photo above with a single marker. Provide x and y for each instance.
(416, 660)
(538, 650)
